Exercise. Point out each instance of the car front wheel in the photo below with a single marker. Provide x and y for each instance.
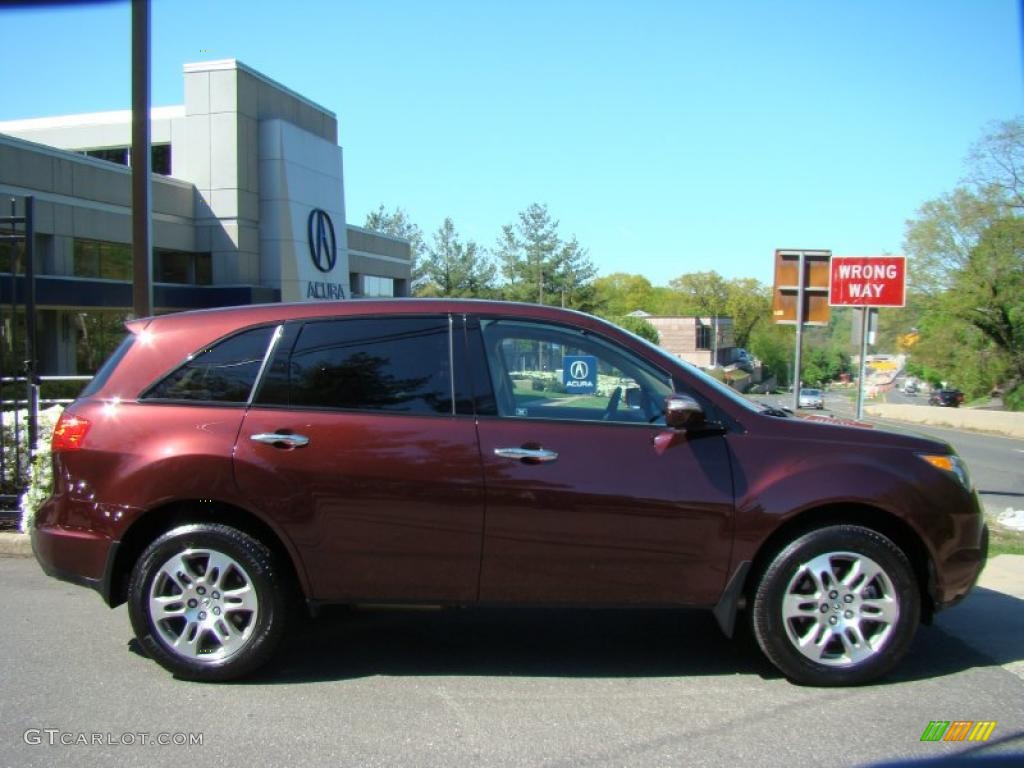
(838, 606)
(207, 603)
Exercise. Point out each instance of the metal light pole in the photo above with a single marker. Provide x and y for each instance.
(142, 232)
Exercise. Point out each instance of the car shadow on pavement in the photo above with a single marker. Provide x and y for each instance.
(526, 642)
(984, 630)
(533, 642)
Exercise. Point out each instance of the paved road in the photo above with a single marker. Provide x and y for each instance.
(493, 688)
(996, 463)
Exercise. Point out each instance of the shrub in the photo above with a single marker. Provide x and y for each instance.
(1013, 400)
(40, 472)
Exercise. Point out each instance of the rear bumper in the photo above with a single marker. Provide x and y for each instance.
(79, 557)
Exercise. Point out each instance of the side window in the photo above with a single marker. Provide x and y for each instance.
(551, 372)
(399, 364)
(224, 373)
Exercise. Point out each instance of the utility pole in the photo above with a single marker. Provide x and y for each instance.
(142, 230)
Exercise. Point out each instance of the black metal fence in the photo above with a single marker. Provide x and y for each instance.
(19, 380)
(21, 402)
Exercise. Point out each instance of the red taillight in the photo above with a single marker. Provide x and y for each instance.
(69, 433)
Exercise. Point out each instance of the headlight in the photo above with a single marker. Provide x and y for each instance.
(950, 463)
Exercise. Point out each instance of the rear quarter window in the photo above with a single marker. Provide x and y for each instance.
(223, 373)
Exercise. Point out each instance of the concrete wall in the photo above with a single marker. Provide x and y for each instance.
(299, 172)
(97, 130)
(79, 197)
(1006, 423)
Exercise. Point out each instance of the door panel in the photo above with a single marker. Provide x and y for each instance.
(383, 495)
(380, 507)
(609, 521)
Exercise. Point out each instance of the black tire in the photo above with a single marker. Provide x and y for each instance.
(232, 611)
(838, 627)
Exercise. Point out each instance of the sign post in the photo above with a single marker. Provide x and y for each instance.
(866, 282)
(801, 287)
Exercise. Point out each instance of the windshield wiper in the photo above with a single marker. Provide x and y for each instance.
(771, 410)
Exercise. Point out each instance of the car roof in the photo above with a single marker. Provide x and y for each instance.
(252, 314)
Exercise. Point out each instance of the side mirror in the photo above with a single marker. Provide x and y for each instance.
(683, 412)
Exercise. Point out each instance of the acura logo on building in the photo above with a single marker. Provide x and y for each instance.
(323, 248)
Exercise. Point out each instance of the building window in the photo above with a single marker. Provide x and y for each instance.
(182, 267)
(10, 255)
(107, 261)
(160, 156)
(117, 155)
(704, 337)
(378, 286)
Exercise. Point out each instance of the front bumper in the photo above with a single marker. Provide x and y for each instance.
(962, 572)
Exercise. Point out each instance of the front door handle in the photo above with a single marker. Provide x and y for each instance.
(531, 455)
(281, 440)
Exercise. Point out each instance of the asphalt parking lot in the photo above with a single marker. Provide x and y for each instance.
(492, 687)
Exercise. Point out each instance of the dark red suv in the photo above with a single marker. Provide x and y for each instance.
(225, 466)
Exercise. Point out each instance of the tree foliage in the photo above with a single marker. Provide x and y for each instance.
(704, 294)
(454, 268)
(967, 263)
(398, 224)
(540, 267)
(639, 326)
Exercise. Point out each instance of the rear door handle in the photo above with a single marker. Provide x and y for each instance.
(526, 454)
(281, 440)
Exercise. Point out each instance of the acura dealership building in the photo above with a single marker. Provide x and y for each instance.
(248, 206)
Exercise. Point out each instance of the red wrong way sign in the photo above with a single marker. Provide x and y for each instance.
(868, 281)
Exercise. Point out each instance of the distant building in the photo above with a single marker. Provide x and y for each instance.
(696, 339)
(248, 206)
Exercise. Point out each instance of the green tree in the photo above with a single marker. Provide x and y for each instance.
(574, 276)
(967, 263)
(704, 294)
(539, 266)
(772, 344)
(398, 224)
(454, 268)
(620, 293)
(639, 326)
(748, 302)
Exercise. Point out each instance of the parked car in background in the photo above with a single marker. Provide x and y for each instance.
(811, 398)
(910, 387)
(226, 466)
(946, 398)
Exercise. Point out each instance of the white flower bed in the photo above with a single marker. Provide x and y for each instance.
(40, 475)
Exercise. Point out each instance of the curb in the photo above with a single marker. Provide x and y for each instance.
(15, 544)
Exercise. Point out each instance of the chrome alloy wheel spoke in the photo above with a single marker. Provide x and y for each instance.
(839, 608)
(203, 605)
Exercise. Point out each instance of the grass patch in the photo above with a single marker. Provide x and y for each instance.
(1004, 541)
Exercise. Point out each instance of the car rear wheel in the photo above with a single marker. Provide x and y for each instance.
(838, 606)
(207, 603)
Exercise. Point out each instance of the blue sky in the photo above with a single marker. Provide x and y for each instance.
(670, 137)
